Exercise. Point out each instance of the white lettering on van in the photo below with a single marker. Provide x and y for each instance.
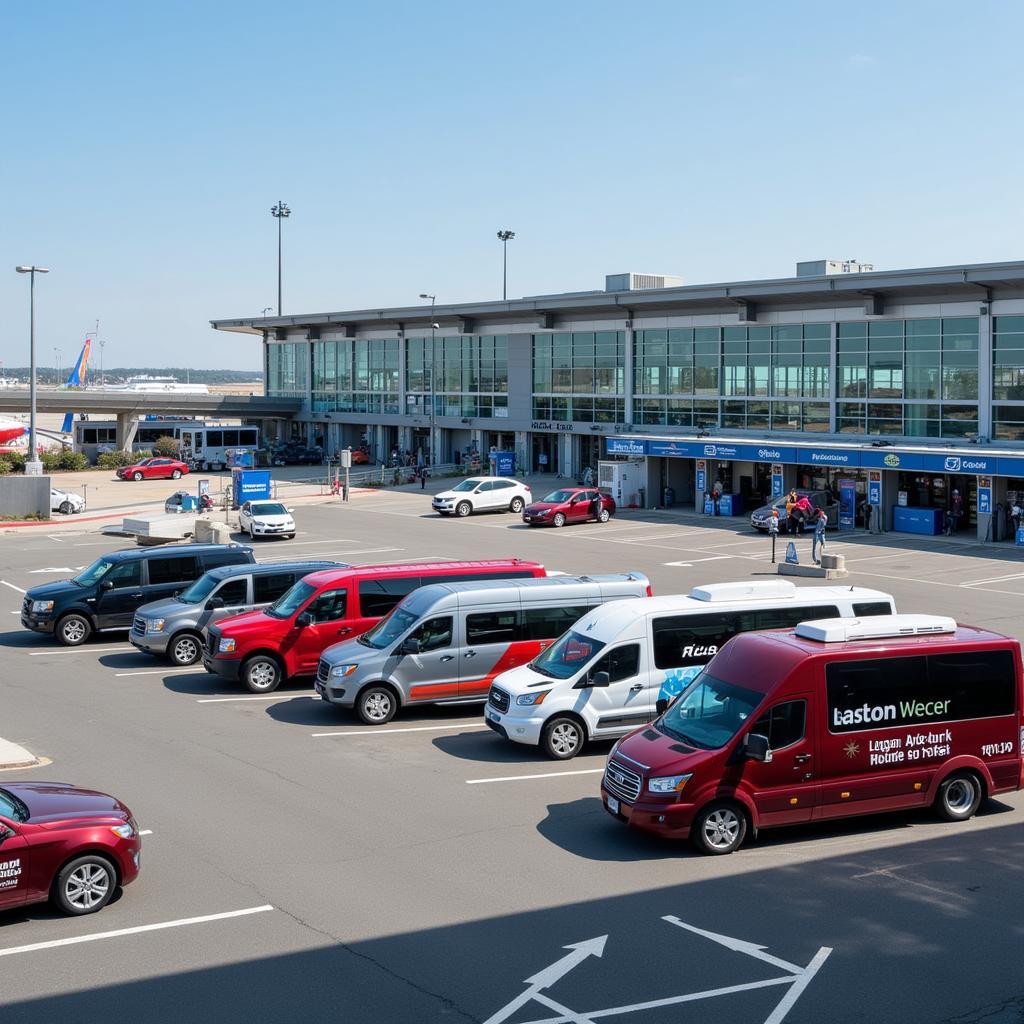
(699, 651)
(864, 714)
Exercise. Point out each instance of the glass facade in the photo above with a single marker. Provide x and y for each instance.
(470, 374)
(1008, 378)
(579, 376)
(287, 369)
(356, 375)
(913, 378)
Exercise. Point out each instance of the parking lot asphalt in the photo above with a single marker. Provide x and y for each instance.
(304, 866)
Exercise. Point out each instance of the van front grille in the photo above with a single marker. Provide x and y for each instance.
(622, 782)
(323, 671)
(139, 625)
(498, 699)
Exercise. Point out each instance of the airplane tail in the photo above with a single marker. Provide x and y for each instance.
(77, 379)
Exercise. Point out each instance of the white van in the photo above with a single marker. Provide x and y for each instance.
(622, 664)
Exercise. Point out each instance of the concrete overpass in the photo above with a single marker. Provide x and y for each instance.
(129, 407)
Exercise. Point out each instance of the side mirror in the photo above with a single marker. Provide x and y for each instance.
(755, 748)
(601, 679)
(411, 646)
(5, 833)
(214, 603)
(661, 705)
(107, 585)
(304, 619)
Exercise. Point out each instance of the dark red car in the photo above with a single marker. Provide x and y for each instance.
(154, 469)
(72, 846)
(569, 505)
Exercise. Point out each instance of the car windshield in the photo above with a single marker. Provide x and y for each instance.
(391, 628)
(94, 573)
(13, 808)
(290, 601)
(199, 591)
(557, 497)
(467, 485)
(269, 508)
(567, 655)
(709, 712)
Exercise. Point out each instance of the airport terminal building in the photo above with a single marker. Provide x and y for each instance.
(898, 386)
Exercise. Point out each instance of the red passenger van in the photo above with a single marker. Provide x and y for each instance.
(834, 718)
(285, 640)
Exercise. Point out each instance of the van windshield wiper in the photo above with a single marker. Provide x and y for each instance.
(542, 671)
(681, 736)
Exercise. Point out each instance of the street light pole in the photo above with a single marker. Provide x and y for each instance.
(33, 467)
(280, 211)
(433, 328)
(505, 237)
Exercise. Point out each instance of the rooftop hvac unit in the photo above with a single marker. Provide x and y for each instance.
(759, 590)
(875, 627)
(640, 282)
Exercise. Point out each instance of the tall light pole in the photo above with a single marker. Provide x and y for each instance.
(266, 310)
(433, 328)
(280, 211)
(33, 467)
(505, 237)
(102, 342)
(56, 359)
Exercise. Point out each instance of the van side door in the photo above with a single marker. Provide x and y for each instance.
(329, 626)
(786, 789)
(492, 638)
(118, 595)
(234, 593)
(625, 702)
(431, 672)
(168, 573)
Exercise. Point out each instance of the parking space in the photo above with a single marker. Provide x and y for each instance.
(302, 863)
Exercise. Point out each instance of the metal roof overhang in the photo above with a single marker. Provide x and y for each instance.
(246, 406)
(976, 281)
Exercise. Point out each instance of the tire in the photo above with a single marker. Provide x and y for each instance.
(185, 649)
(604, 516)
(463, 509)
(377, 704)
(719, 828)
(73, 630)
(290, 536)
(261, 674)
(84, 885)
(136, 475)
(563, 738)
(959, 796)
(176, 475)
(516, 505)
(65, 508)
(558, 519)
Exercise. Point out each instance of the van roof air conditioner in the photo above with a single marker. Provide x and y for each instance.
(759, 590)
(874, 627)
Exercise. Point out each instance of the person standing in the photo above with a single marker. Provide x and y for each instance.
(596, 505)
(716, 493)
(542, 461)
(818, 540)
(790, 505)
(773, 529)
(424, 472)
(956, 510)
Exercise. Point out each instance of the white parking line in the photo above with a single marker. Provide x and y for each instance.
(541, 775)
(161, 672)
(269, 696)
(694, 561)
(96, 936)
(994, 579)
(12, 586)
(372, 731)
(82, 650)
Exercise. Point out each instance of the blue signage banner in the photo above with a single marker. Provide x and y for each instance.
(847, 504)
(777, 481)
(875, 488)
(625, 446)
(504, 463)
(702, 476)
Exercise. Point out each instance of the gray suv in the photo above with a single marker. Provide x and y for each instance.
(173, 628)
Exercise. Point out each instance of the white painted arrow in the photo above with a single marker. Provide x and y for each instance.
(737, 945)
(578, 952)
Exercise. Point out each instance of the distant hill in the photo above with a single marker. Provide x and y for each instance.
(49, 375)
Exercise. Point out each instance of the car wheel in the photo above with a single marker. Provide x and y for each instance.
(377, 705)
(604, 516)
(136, 475)
(516, 505)
(959, 796)
(291, 536)
(563, 738)
(261, 674)
(65, 508)
(85, 885)
(463, 509)
(176, 475)
(73, 630)
(558, 519)
(185, 649)
(719, 828)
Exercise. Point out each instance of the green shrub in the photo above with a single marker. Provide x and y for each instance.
(15, 461)
(115, 460)
(166, 446)
(71, 461)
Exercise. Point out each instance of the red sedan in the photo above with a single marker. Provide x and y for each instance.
(72, 846)
(154, 469)
(570, 505)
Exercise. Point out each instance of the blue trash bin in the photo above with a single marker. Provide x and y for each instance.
(668, 496)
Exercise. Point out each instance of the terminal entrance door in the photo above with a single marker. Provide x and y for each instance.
(545, 453)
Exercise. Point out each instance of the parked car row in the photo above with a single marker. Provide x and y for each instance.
(504, 494)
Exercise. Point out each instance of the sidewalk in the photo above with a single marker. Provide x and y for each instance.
(13, 756)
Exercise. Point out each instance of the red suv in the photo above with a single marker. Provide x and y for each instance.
(570, 505)
(72, 846)
(286, 640)
(154, 469)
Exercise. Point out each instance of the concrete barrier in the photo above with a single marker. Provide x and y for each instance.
(814, 571)
(209, 532)
(22, 496)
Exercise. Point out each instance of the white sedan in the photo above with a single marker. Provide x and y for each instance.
(66, 501)
(266, 519)
(483, 494)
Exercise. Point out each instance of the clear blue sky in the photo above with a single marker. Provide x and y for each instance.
(144, 144)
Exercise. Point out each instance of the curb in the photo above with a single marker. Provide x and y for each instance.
(13, 756)
(51, 523)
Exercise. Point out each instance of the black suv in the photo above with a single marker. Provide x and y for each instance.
(107, 593)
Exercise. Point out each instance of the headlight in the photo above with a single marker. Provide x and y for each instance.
(226, 645)
(256, 522)
(124, 831)
(532, 699)
(155, 625)
(340, 671)
(38, 607)
(669, 783)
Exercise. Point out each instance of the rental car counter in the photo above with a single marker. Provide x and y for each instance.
(927, 521)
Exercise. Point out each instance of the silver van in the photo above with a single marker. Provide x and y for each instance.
(173, 627)
(445, 643)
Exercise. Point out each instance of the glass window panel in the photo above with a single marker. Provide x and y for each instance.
(759, 333)
(817, 345)
(885, 329)
(790, 346)
(816, 416)
(959, 420)
(679, 336)
(1009, 324)
(820, 332)
(734, 334)
(706, 335)
(922, 375)
(852, 330)
(923, 328)
(757, 415)
(960, 325)
(790, 332)
(1008, 383)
